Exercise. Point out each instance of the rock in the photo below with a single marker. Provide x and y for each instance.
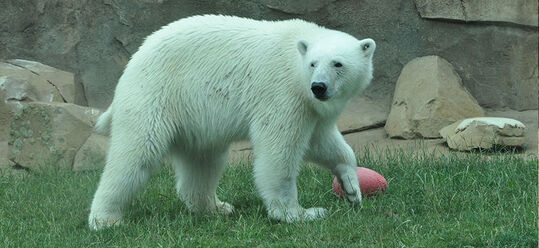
(528, 118)
(522, 12)
(240, 152)
(362, 114)
(22, 85)
(497, 62)
(484, 133)
(296, 7)
(23, 81)
(92, 154)
(4, 161)
(49, 134)
(63, 81)
(429, 96)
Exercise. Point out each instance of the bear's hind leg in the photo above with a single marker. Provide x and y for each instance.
(131, 158)
(197, 178)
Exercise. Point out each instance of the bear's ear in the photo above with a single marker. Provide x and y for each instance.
(367, 47)
(302, 47)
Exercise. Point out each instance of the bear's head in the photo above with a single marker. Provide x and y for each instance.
(337, 66)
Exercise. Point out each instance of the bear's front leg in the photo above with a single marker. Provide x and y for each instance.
(329, 149)
(278, 156)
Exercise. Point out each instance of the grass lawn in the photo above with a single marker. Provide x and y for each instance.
(467, 201)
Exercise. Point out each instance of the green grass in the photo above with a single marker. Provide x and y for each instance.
(468, 201)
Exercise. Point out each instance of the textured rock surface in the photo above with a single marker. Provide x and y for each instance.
(22, 85)
(63, 81)
(429, 96)
(522, 12)
(92, 154)
(94, 39)
(24, 81)
(4, 161)
(529, 118)
(49, 134)
(484, 133)
(361, 114)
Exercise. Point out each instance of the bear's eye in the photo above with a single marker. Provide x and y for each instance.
(338, 64)
(312, 64)
(366, 46)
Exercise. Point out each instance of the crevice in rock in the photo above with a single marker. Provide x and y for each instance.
(372, 126)
(463, 7)
(122, 46)
(51, 83)
(116, 9)
(18, 166)
(72, 163)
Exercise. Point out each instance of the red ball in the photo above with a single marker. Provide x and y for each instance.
(370, 182)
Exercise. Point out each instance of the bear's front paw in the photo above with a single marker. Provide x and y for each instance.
(351, 188)
(297, 214)
(96, 223)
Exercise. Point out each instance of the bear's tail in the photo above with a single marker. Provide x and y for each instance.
(103, 122)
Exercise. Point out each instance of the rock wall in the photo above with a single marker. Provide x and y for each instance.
(495, 54)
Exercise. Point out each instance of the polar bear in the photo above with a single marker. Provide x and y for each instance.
(203, 82)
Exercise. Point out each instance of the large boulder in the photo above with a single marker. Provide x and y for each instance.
(92, 154)
(19, 84)
(49, 134)
(63, 81)
(23, 81)
(429, 96)
(522, 12)
(484, 133)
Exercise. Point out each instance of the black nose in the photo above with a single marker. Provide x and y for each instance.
(319, 89)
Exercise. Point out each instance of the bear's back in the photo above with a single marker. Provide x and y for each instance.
(213, 48)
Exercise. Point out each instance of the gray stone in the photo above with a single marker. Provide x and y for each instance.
(484, 133)
(522, 12)
(94, 39)
(49, 134)
(429, 96)
(296, 7)
(91, 155)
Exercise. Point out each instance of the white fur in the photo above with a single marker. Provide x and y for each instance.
(202, 82)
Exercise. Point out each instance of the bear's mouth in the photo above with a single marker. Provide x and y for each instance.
(322, 98)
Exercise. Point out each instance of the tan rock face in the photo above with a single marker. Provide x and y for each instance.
(91, 155)
(523, 12)
(23, 81)
(428, 96)
(63, 81)
(360, 114)
(49, 134)
(22, 85)
(484, 133)
(4, 162)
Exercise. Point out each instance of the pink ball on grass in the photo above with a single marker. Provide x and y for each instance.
(370, 182)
